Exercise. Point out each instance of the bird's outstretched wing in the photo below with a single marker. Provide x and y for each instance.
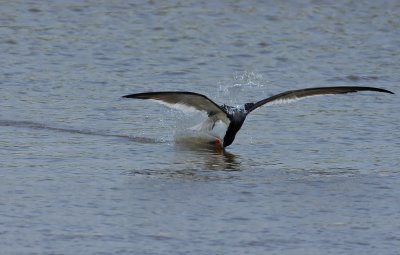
(186, 101)
(293, 95)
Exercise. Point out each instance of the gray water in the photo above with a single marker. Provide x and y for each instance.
(83, 171)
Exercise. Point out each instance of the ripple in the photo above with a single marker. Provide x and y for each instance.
(355, 78)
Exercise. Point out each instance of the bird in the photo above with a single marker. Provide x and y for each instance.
(232, 116)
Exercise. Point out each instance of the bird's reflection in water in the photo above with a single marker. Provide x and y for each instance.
(199, 153)
(193, 159)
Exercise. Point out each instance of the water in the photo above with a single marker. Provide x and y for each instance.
(86, 172)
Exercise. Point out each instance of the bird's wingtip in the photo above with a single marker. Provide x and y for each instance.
(384, 90)
(127, 96)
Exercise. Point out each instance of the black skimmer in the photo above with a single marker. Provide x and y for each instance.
(234, 117)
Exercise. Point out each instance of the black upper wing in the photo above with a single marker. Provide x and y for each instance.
(309, 92)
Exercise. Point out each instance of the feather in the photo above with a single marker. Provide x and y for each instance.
(294, 95)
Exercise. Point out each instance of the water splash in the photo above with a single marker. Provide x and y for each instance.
(231, 90)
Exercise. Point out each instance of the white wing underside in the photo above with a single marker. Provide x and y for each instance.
(206, 125)
(291, 100)
(182, 107)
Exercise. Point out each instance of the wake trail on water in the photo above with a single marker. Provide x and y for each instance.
(40, 126)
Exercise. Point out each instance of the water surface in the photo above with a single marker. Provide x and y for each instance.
(84, 171)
